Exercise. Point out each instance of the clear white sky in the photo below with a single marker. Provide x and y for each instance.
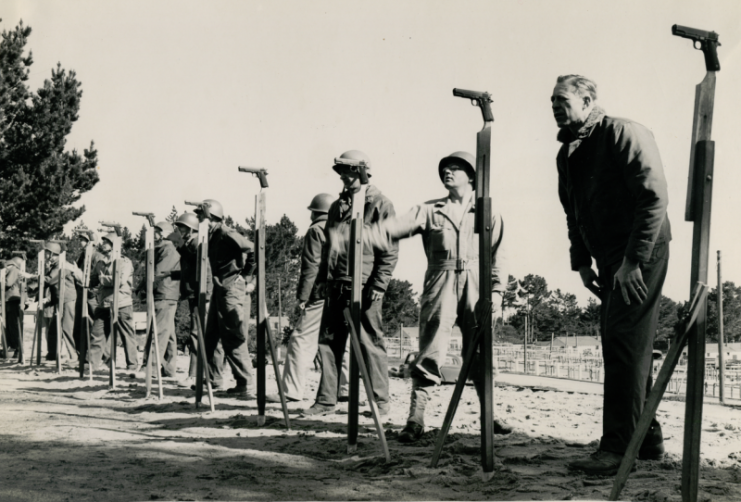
(177, 94)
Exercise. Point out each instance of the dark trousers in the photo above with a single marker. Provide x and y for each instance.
(192, 341)
(227, 323)
(68, 327)
(79, 319)
(628, 333)
(333, 339)
(14, 324)
(100, 348)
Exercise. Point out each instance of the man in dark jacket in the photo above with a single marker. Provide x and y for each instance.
(92, 301)
(230, 254)
(612, 188)
(166, 295)
(187, 226)
(302, 346)
(336, 271)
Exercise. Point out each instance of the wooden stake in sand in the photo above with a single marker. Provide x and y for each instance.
(482, 333)
(697, 210)
(263, 329)
(152, 344)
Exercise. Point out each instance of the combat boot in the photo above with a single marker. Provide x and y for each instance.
(652, 447)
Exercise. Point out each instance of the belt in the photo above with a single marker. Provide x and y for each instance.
(457, 265)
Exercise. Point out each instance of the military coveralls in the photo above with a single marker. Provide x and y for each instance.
(72, 274)
(166, 293)
(92, 300)
(102, 278)
(451, 286)
(229, 254)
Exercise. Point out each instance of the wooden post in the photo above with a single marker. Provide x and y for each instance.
(261, 307)
(482, 333)
(59, 317)
(24, 296)
(2, 312)
(201, 320)
(524, 347)
(153, 353)
(116, 259)
(721, 349)
(85, 321)
(40, 326)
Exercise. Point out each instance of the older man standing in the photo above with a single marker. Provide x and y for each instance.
(451, 287)
(612, 187)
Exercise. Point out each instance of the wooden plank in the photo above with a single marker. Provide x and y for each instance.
(261, 307)
(40, 326)
(483, 212)
(705, 151)
(702, 128)
(59, 317)
(115, 257)
(202, 274)
(2, 313)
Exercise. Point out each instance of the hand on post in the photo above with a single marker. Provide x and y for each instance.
(630, 278)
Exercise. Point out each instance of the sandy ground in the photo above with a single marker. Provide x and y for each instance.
(65, 439)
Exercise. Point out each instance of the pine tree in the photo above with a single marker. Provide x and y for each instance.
(39, 180)
(173, 216)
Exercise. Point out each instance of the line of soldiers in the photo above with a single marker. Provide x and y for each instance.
(613, 191)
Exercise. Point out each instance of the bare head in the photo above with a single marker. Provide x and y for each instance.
(572, 100)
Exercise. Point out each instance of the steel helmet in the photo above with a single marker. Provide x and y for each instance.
(110, 237)
(355, 156)
(468, 163)
(189, 220)
(165, 227)
(53, 247)
(214, 208)
(320, 203)
(17, 261)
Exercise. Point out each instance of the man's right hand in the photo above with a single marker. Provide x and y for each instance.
(591, 280)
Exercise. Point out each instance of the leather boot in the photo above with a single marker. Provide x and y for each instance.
(419, 398)
(652, 447)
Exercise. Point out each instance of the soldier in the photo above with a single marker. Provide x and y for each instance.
(53, 280)
(335, 271)
(102, 278)
(13, 307)
(166, 292)
(92, 301)
(187, 226)
(302, 346)
(451, 290)
(230, 254)
(612, 187)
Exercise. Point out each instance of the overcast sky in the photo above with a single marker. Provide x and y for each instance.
(177, 94)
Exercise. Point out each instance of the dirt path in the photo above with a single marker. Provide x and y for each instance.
(62, 439)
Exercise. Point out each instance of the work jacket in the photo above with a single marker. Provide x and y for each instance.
(12, 284)
(102, 278)
(311, 258)
(188, 273)
(378, 265)
(71, 275)
(230, 254)
(450, 242)
(166, 261)
(92, 293)
(612, 187)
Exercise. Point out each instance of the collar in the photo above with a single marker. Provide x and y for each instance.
(595, 117)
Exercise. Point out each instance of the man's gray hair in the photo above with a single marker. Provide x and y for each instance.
(581, 85)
